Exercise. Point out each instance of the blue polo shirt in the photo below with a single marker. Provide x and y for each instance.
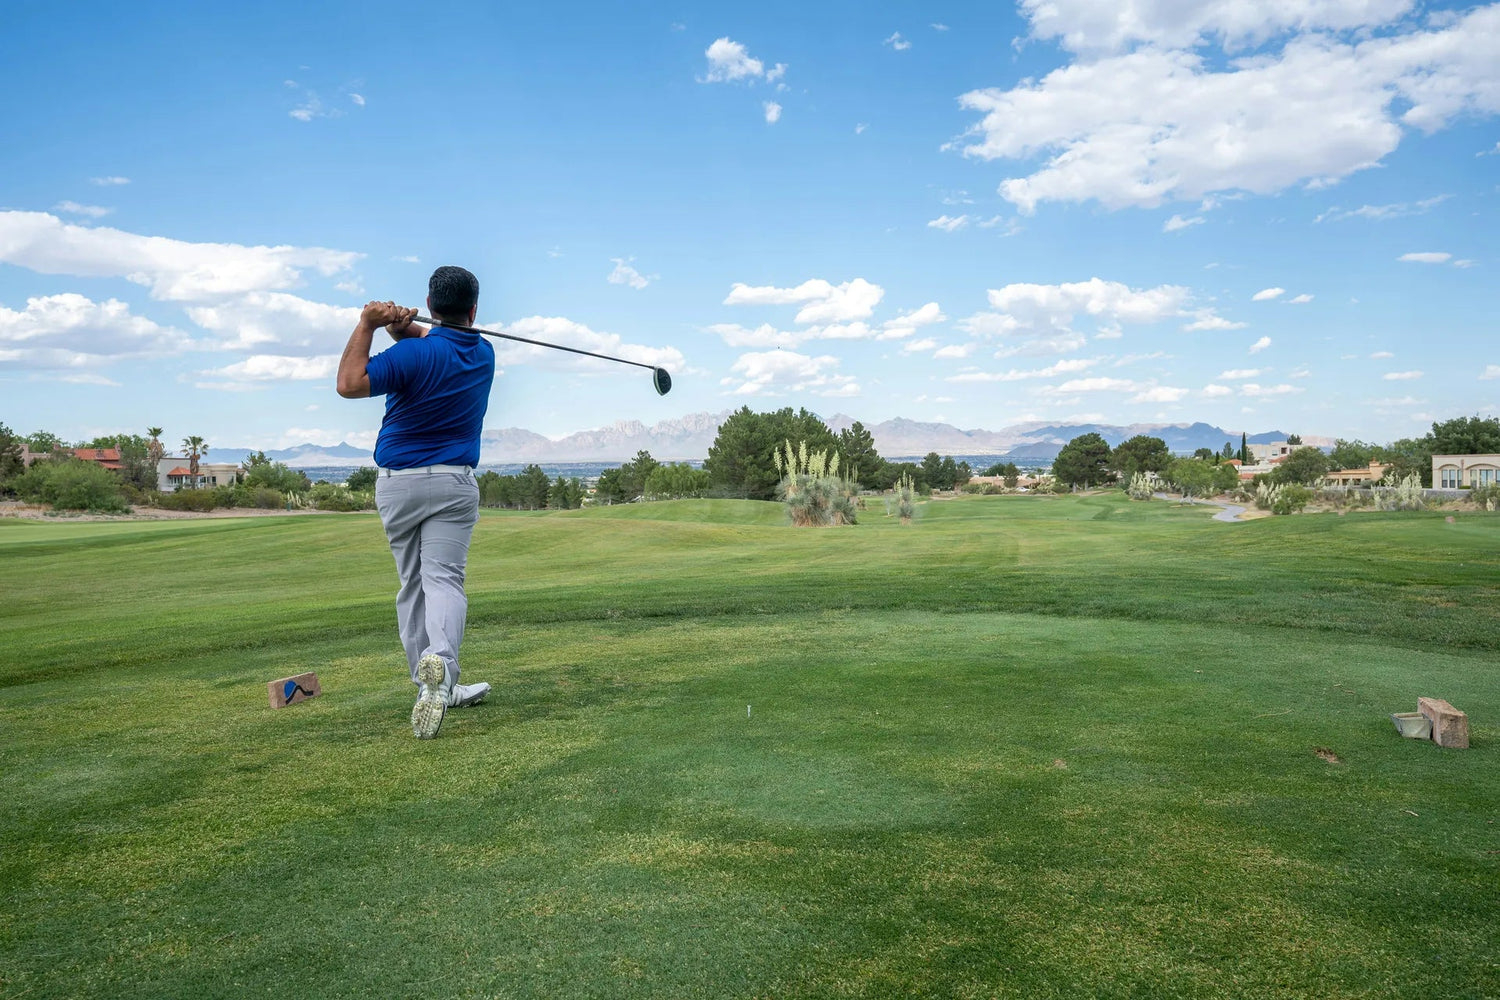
(437, 389)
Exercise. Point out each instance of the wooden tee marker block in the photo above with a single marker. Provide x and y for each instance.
(290, 690)
(1450, 727)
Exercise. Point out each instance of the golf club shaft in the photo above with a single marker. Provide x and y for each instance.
(538, 343)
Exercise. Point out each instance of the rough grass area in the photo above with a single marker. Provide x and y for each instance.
(1023, 747)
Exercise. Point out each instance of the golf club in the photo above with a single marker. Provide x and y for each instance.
(661, 379)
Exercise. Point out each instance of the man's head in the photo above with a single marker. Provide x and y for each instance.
(453, 295)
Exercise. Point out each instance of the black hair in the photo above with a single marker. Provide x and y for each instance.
(452, 292)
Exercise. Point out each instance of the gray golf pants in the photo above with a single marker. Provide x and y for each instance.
(428, 520)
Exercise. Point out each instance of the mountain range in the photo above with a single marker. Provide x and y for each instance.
(689, 438)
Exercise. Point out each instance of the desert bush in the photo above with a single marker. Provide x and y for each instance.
(70, 484)
(1140, 487)
(330, 496)
(1487, 497)
(189, 499)
(1266, 494)
(1290, 499)
(1406, 495)
(810, 487)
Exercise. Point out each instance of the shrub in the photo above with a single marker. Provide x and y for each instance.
(329, 496)
(198, 500)
(1487, 497)
(1290, 499)
(70, 484)
(810, 486)
(1405, 495)
(1266, 494)
(1139, 487)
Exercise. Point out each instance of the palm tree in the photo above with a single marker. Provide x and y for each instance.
(195, 448)
(154, 449)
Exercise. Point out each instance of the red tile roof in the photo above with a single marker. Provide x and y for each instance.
(98, 454)
(181, 470)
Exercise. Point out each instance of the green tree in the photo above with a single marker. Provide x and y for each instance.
(262, 472)
(932, 470)
(1304, 466)
(533, 488)
(1193, 477)
(947, 473)
(675, 481)
(740, 460)
(154, 448)
(962, 474)
(1294, 439)
(11, 465)
(1083, 461)
(1410, 457)
(1244, 449)
(363, 478)
(1474, 435)
(1012, 475)
(72, 484)
(610, 488)
(196, 449)
(1353, 454)
(1228, 451)
(43, 442)
(1226, 477)
(1204, 454)
(861, 462)
(1141, 453)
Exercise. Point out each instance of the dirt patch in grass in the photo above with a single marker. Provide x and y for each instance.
(1328, 755)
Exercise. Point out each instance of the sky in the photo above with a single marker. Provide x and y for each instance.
(1259, 215)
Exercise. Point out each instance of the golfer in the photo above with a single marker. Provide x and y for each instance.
(437, 386)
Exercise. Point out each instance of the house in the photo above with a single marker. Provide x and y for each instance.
(1357, 477)
(174, 472)
(1264, 454)
(1451, 472)
(108, 458)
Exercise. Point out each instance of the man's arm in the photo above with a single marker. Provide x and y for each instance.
(353, 378)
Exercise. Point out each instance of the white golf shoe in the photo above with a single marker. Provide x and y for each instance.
(433, 697)
(464, 695)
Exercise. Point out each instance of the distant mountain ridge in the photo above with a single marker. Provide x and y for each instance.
(689, 438)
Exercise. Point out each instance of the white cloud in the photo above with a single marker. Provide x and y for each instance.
(1157, 124)
(1092, 26)
(1208, 320)
(352, 287)
(1254, 390)
(1212, 391)
(1401, 376)
(358, 99)
(1064, 367)
(561, 330)
(1463, 263)
(70, 331)
(173, 269)
(277, 368)
(1159, 394)
(764, 335)
(948, 224)
(1490, 371)
(954, 351)
(1098, 383)
(1299, 300)
(1260, 345)
(1267, 293)
(826, 303)
(1381, 355)
(1426, 258)
(906, 324)
(773, 112)
(774, 372)
(259, 320)
(859, 127)
(1240, 373)
(729, 61)
(624, 274)
(897, 42)
(913, 346)
(1024, 306)
(1177, 223)
(74, 208)
(409, 259)
(109, 181)
(1380, 213)
(936, 26)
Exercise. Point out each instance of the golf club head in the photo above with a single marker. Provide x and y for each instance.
(661, 380)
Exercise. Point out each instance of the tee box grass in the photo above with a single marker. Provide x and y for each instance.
(1022, 747)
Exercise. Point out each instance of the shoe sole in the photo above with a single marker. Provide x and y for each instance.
(427, 714)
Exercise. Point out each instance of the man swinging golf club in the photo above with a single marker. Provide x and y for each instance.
(437, 386)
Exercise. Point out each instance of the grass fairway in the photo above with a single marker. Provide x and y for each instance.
(1024, 747)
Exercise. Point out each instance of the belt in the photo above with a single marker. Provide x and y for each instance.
(462, 470)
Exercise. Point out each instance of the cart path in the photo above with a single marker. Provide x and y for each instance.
(1227, 511)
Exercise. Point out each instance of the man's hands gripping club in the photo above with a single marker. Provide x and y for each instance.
(353, 377)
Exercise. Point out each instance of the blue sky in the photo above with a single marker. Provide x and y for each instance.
(1262, 216)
